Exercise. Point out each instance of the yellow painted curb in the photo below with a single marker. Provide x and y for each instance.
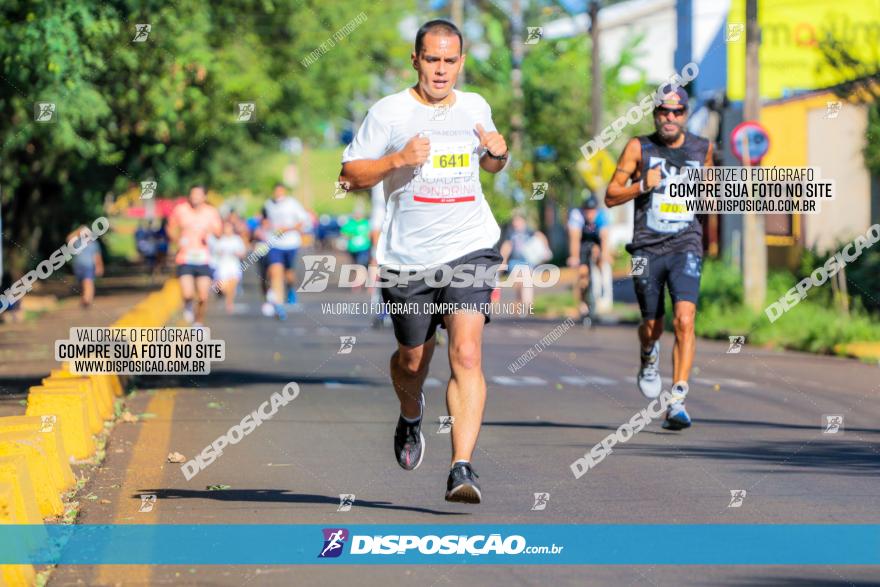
(96, 424)
(29, 445)
(103, 399)
(104, 381)
(50, 429)
(859, 350)
(71, 411)
(17, 575)
(23, 507)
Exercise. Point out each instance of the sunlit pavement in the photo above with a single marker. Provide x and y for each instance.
(759, 426)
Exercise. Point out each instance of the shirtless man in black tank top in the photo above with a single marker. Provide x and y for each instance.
(667, 244)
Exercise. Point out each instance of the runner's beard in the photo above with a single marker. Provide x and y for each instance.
(669, 136)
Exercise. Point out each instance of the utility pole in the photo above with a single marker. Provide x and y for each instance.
(595, 72)
(754, 242)
(457, 13)
(517, 51)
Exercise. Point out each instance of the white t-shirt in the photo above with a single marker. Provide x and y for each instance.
(434, 213)
(377, 207)
(284, 213)
(228, 250)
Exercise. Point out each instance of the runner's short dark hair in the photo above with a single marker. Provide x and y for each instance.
(433, 26)
(198, 186)
(279, 185)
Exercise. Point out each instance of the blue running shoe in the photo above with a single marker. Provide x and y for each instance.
(291, 296)
(677, 417)
(280, 312)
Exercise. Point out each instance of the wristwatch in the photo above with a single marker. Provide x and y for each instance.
(497, 157)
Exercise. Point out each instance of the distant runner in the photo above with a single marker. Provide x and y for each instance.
(667, 244)
(587, 240)
(428, 144)
(191, 225)
(287, 218)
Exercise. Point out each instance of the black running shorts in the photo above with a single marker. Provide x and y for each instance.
(412, 306)
(679, 271)
(194, 270)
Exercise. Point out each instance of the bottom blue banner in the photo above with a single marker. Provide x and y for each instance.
(690, 544)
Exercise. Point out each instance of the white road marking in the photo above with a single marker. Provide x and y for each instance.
(584, 381)
(518, 381)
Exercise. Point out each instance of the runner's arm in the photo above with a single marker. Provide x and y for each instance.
(363, 174)
(505, 250)
(99, 262)
(172, 230)
(574, 246)
(627, 168)
(605, 244)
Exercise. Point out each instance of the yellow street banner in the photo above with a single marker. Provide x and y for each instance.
(791, 33)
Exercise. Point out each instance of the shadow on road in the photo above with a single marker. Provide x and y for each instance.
(14, 386)
(280, 496)
(238, 378)
(779, 425)
(828, 457)
(786, 581)
(549, 424)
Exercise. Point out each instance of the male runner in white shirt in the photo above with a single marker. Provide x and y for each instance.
(427, 145)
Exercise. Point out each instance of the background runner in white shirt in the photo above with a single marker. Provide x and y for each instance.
(287, 218)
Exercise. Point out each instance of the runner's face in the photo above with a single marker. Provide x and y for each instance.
(438, 65)
(196, 197)
(670, 123)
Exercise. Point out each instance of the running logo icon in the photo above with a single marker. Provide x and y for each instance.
(446, 423)
(346, 345)
(147, 503)
(735, 32)
(44, 112)
(639, 264)
(737, 496)
(334, 541)
(439, 113)
(833, 423)
(534, 35)
(141, 33)
(539, 190)
(247, 112)
(541, 500)
(319, 268)
(346, 500)
(736, 345)
(148, 189)
(47, 423)
(832, 110)
(340, 189)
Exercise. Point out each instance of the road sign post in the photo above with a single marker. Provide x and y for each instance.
(749, 142)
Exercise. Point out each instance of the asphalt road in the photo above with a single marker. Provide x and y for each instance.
(758, 426)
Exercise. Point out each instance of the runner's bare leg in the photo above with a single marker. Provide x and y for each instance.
(409, 368)
(466, 393)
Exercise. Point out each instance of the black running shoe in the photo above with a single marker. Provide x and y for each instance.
(409, 442)
(462, 485)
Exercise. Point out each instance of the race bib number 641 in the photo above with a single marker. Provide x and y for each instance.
(448, 160)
